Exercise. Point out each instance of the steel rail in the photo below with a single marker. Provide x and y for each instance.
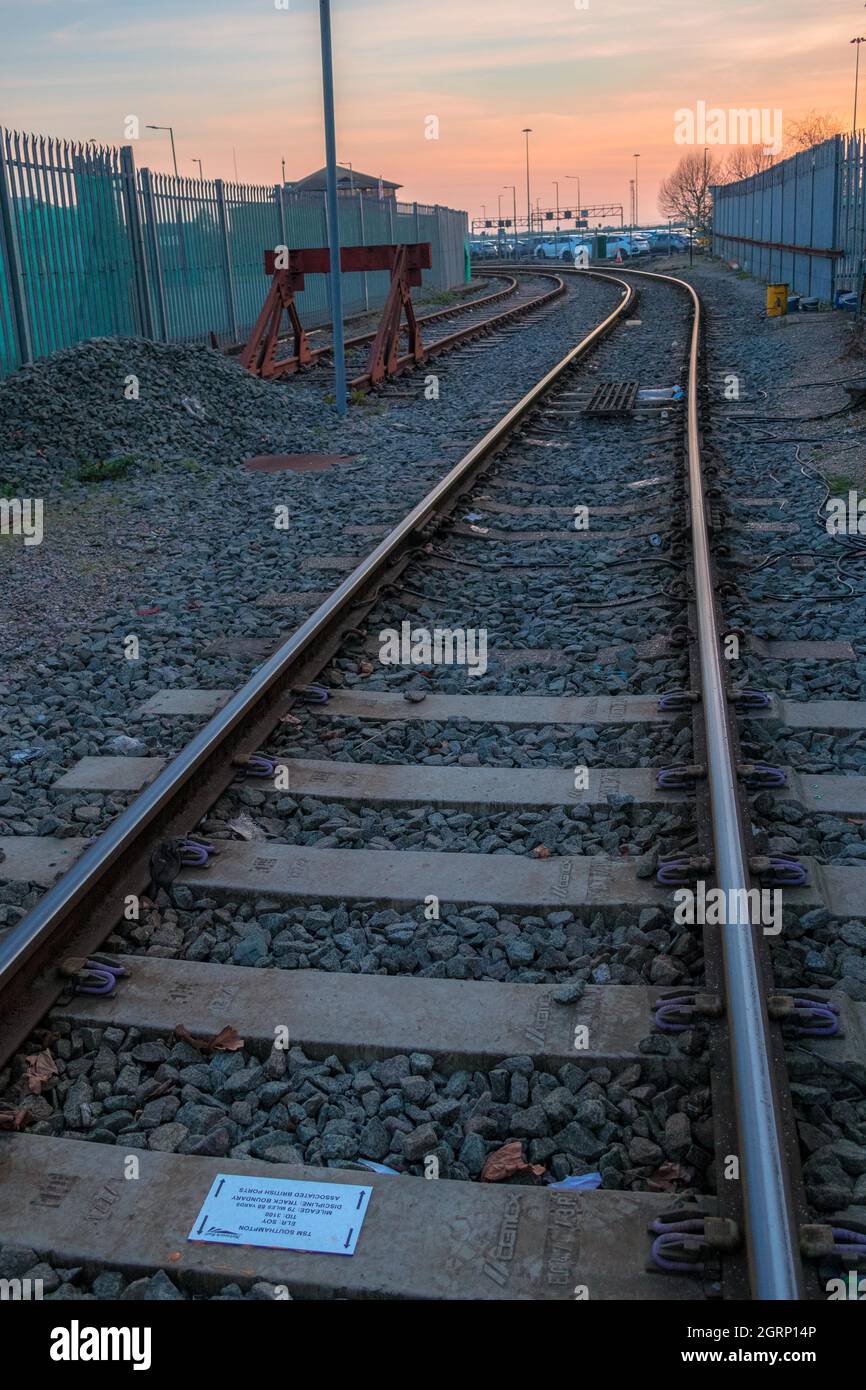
(772, 1239)
(465, 335)
(452, 311)
(29, 981)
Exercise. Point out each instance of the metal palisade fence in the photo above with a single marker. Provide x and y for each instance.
(802, 221)
(90, 247)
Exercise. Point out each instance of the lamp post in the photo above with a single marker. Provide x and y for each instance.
(513, 187)
(283, 167)
(857, 42)
(333, 209)
(527, 131)
(200, 174)
(556, 231)
(577, 177)
(499, 225)
(636, 218)
(171, 134)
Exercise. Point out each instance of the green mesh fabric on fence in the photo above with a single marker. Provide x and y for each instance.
(92, 247)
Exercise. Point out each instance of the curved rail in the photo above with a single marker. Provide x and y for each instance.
(472, 330)
(80, 910)
(771, 1235)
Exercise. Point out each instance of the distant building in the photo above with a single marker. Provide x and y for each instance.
(349, 181)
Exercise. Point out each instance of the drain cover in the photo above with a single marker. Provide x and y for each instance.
(297, 463)
(612, 398)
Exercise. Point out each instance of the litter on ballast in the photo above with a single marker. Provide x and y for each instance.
(20, 757)
(581, 1182)
(661, 393)
(127, 747)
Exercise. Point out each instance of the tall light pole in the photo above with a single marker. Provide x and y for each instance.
(283, 167)
(499, 225)
(636, 158)
(857, 43)
(631, 200)
(333, 210)
(527, 131)
(513, 187)
(577, 177)
(556, 233)
(200, 174)
(171, 133)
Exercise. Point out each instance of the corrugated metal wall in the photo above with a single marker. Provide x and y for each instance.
(810, 205)
(92, 247)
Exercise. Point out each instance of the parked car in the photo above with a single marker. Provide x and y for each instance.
(564, 248)
(665, 243)
(616, 244)
(483, 250)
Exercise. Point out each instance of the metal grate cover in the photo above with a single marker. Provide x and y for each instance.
(612, 398)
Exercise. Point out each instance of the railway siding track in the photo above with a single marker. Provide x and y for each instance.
(457, 1238)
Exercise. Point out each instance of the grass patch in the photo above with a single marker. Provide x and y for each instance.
(442, 297)
(839, 482)
(101, 471)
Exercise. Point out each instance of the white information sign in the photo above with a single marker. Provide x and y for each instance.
(282, 1214)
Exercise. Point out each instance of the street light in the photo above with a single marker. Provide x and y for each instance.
(200, 174)
(636, 218)
(513, 187)
(499, 225)
(556, 232)
(171, 133)
(857, 43)
(283, 163)
(577, 177)
(333, 208)
(527, 131)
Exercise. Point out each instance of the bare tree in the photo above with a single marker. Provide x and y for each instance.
(745, 160)
(685, 194)
(810, 130)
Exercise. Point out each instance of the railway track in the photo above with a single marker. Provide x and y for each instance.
(478, 317)
(514, 827)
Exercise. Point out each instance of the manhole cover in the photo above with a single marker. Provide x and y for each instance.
(297, 463)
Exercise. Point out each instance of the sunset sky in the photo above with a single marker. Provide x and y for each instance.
(596, 84)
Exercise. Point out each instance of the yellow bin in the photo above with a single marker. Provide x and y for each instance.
(777, 300)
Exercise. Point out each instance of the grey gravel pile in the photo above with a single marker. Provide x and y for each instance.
(188, 546)
(761, 457)
(830, 1107)
(289, 1108)
(787, 828)
(815, 950)
(466, 743)
(618, 828)
(62, 1283)
(570, 949)
(807, 750)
